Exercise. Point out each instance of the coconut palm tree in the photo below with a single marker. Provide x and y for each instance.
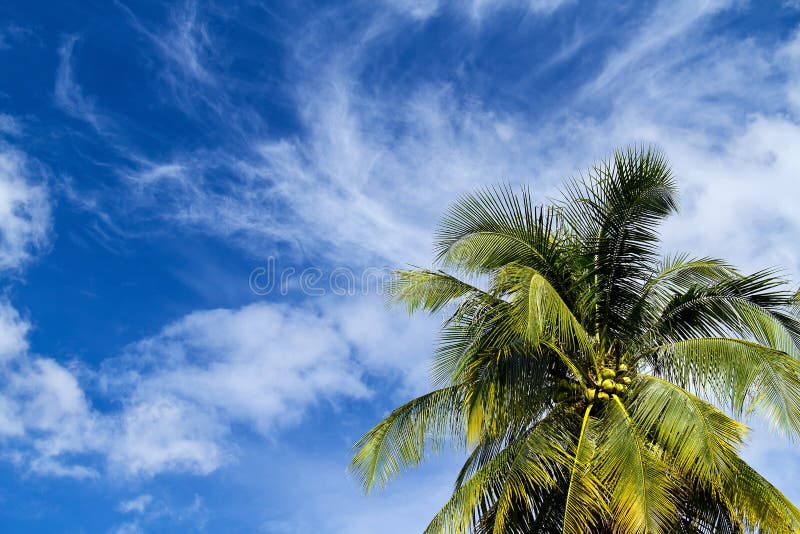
(593, 384)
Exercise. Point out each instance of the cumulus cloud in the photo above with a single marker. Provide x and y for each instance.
(263, 365)
(44, 412)
(24, 209)
(181, 391)
(15, 329)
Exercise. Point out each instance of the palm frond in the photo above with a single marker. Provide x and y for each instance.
(701, 441)
(424, 289)
(746, 376)
(757, 503)
(674, 275)
(526, 464)
(400, 440)
(486, 230)
(642, 490)
(538, 313)
(748, 306)
(615, 215)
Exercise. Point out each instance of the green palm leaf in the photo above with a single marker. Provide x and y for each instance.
(744, 375)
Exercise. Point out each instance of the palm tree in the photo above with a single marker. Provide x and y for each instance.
(589, 380)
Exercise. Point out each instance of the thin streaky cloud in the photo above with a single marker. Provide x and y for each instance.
(69, 95)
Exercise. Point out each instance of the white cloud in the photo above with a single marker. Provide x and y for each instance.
(68, 93)
(669, 21)
(257, 363)
(9, 125)
(137, 504)
(24, 209)
(263, 365)
(53, 414)
(181, 391)
(14, 332)
(163, 434)
(44, 413)
(149, 511)
(477, 10)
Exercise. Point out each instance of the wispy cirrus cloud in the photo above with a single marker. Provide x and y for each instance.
(12, 34)
(69, 95)
(476, 10)
(184, 44)
(667, 23)
(192, 70)
(147, 510)
(373, 163)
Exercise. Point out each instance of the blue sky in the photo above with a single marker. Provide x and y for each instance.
(154, 156)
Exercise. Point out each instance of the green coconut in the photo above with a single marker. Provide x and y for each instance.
(626, 380)
(622, 368)
(603, 395)
(607, 373)
(608, 385)
(590, 393)
(619, 389)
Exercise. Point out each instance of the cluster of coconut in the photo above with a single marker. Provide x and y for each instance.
(610, 382)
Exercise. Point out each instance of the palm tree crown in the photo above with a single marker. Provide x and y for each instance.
(589, 379)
